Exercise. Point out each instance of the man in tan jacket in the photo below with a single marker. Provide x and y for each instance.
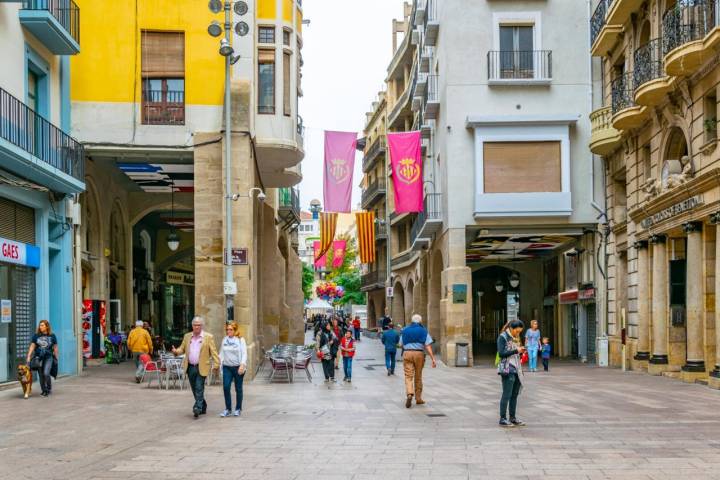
(198, 347)
(139, 342)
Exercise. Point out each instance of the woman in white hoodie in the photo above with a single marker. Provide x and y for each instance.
(233, 357)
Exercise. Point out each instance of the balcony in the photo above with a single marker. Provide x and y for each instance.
(56, 23)
(604, 139)
(420, 12)
(432, 23)
(289, 207)
(426, 56)
(380, 232)
(432, 98)
(427, 222)
(376, 149)
(163, 107)
(512, 67)
(403, 259)
(373, 280)
(619, 11)
(402, 104)
(626, 114)
(37, 150)
(685, 28)
(374, 192)
(651, 83)
(603, 35)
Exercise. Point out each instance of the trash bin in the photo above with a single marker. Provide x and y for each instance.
(461, 354)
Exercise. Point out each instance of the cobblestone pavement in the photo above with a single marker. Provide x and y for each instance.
(583, 423)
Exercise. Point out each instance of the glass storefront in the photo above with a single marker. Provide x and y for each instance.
(17, 313)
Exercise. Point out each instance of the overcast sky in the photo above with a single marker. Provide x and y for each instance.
(346, 48)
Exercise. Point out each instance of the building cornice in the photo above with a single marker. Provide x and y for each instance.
(474, 121)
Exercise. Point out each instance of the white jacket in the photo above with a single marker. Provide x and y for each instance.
(233, 352)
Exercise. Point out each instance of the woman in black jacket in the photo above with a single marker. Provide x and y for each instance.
(324, 343)
(510, 370)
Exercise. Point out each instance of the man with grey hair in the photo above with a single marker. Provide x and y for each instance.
(139, 342)
(415, 341)
(199, 348)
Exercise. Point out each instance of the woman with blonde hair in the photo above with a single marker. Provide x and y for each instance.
(233, 358)
(44, 347)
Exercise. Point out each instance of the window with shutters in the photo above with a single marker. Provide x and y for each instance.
(287, 97)
(266, 81)
(17, 222)
(163, 74)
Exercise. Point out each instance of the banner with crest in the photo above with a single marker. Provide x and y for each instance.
(407, 176)
(339, 248)
(338, 172)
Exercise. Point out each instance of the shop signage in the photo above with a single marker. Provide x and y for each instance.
(567, 297)
(5, 310)
(677, 209)
(587, 294)
(389, 292)
(459, 292)
(239, 256)
(179, 278)
(19, 253)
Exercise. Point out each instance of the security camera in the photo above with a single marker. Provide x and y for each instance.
(261, 196)
(235, 197)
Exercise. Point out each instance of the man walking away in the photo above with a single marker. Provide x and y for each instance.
(390, 339)
(139, 342)
(199, 348)
(415, 341)
(356, 328)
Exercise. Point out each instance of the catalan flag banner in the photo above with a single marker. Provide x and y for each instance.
(338, 172)
(320, 260)
(365, 222)
(407, 176)
(339, 249)
(328, 222)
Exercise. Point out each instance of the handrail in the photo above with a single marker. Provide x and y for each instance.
(519, 64)
(648, 63)
(66, 12)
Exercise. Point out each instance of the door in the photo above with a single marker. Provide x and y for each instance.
(516, 51)
(591, 332)
(574, 330)
(95, 329)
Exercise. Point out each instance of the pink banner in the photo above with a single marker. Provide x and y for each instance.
(339, 248)
(407, 175)
(338, 173)
(319, 262)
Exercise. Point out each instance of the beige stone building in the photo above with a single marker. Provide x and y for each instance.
(656, 127)
(153, 234)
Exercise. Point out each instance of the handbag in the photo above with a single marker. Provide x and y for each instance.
(524, 358)
(35, 363)
(320, 355)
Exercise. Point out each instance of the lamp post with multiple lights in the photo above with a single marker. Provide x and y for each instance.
(215, 29)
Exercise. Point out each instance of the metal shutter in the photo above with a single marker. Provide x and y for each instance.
(17, 222)
(23, 308)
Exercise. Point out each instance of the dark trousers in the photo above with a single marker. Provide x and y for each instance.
(546, 363)
(44, 374)
(328, 368)
(357, 333)
(347, 366)
(390, 360)
(510, 390)
(231, 374)
(197, 385)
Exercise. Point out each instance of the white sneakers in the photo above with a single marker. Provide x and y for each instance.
(226, 413)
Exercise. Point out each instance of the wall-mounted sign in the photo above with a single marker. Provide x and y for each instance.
(5, 310)
(19, 253)
(586, 293)
(677, 209)
(459, 293)
(239, 256)
(180, 278)
(389, 292)
(568, 297)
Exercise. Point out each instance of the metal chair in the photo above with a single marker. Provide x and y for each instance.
(152, 369)
(302, 362)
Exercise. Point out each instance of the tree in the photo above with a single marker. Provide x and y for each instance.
(351, 282)
(308, 277)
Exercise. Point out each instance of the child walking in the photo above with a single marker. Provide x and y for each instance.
(546, 350)
(347, 348)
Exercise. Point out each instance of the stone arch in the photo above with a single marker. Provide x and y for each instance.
(119, 245)
(675, 146)
(435, 294)
(409, 300)
(166, 206)
(398, 304)
(644, 33)
(371, 314)
(92, 241)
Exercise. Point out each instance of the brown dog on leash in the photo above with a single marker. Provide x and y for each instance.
(24, 375)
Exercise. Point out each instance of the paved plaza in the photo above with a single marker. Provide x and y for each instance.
(580, 426)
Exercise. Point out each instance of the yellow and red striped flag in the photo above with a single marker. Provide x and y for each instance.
(366, 236)
(328, 222)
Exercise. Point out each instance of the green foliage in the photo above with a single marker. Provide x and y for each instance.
(308, 277)
(352, 282)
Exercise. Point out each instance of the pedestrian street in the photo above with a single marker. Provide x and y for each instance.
(104, 426)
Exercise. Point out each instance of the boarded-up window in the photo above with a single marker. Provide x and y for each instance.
(521, 167)
(163, 54)
(287, 105)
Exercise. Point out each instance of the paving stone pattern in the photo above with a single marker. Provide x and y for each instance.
(583, 423)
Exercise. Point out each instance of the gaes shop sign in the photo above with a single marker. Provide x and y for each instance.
(19, 253)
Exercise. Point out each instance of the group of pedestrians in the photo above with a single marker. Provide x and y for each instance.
(333, 340)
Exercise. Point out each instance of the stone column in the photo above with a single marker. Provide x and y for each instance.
(659, 359)
(695, 363)
(714, 380)
(643, 299)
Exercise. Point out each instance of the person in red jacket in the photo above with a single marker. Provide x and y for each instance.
(356, 328)
(347, 348)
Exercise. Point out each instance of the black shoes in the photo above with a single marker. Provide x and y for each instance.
(408, 401)
(517, 423)
(44, 394)
(389, 373)
(196, 412)
(504, 423)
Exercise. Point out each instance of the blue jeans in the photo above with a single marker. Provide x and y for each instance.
(357, 333)
(533, 354)
(390, 360)
(347, 367)
(230, 374)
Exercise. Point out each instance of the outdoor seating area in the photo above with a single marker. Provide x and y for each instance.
(282, 361)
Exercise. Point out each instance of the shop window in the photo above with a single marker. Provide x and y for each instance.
(710, 119)
(163, 78)
(266, 82)
(266, 35)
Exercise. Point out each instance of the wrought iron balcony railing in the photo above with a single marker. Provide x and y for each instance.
(687, 21)
(373, 192)
(23, 127)
(648, 63)
(374, 279)
(163, 107)
(623, 92)
(376, 149)
(66, 12)
(597, 21)
(431, 211)
(289, 199)
(519, 65)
